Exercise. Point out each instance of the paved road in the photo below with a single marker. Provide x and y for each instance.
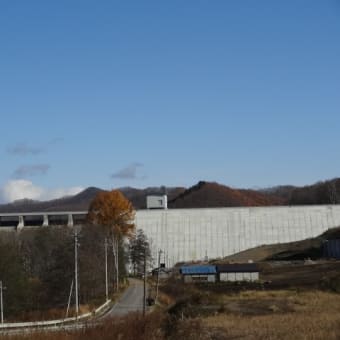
(130, 301)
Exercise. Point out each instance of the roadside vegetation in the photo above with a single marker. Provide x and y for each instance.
(37, 265)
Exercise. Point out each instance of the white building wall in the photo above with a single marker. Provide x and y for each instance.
(193, 234)
(156, 202)
(211, 278)
(231, 276)
(254, 276)
(239, 277)
(224, 277)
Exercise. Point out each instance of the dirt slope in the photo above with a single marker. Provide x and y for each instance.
(300, 250)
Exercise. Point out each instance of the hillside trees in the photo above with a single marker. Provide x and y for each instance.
(91, 263)
(37, 267)
(115, 214)
(13, 277)
(48, 257)
(319, 193)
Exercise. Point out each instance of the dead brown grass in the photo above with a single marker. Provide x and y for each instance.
(314, 315)
(132, 326)
(270, 315)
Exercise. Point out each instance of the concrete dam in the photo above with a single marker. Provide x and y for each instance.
(196, 234)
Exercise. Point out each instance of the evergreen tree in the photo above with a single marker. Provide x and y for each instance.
(139, 252)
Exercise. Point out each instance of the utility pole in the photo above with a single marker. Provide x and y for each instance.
(164, 259)
(1, 301)
(106, 275)
(144, 284)
(117, 262)
(114, 262)
(69, 300)
(159, 264)
(76, 270)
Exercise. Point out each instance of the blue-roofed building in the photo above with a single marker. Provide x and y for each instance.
(198, 273)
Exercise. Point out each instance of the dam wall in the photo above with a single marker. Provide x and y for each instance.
(197, 234)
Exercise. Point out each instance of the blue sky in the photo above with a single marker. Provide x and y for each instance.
(141, 93)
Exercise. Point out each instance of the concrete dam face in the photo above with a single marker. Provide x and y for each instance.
(196, 234)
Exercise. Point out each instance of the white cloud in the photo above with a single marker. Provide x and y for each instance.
(21, 188)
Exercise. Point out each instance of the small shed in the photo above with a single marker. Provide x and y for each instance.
(331, 249)
(238, 272)
(164, 273)
(199, 273)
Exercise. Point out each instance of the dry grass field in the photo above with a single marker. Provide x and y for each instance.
(130, 327)
(278, 315)
(292, 314)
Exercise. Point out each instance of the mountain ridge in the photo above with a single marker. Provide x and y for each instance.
(211, 194)
(201, 195)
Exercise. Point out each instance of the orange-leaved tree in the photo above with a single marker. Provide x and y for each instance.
(114, 212)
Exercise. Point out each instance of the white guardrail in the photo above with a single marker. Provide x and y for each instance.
(10, 325)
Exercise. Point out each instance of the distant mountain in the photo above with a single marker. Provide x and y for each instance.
(282, 191)
(201, 195)
(210, 194)
(80, 201)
